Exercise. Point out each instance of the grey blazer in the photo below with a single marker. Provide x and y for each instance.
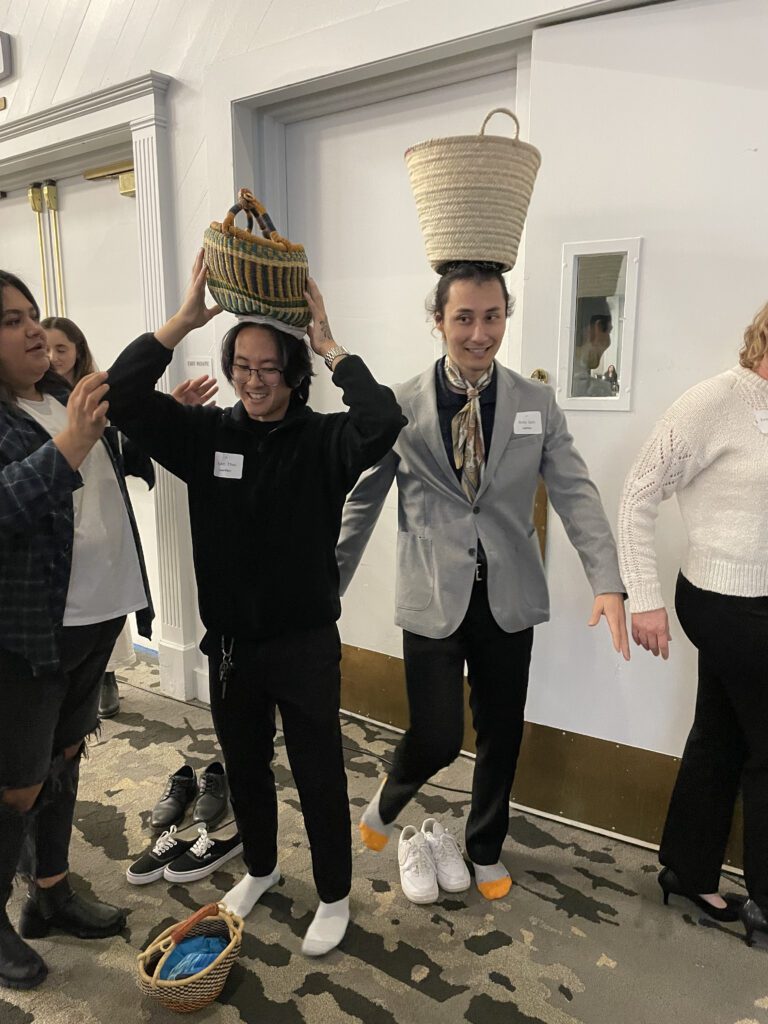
(438, 528)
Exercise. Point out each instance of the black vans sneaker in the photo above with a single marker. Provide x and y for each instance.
(206, 856)
(151, 864)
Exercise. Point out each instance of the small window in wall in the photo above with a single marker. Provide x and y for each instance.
(597, 324)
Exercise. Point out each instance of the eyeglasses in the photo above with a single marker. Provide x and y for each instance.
(269, 375)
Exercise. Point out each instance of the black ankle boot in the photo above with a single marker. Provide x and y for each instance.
(20, 966)
(61, 909)
(109, 698)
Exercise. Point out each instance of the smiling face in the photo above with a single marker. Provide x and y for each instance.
(63, 353)
(266, 399)
(23, 349)
(472, 324)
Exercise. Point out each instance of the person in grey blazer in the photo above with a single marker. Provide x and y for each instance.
(470, 580)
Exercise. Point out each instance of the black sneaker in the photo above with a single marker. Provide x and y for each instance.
(213, 796)
(206, 856)
(151, 864)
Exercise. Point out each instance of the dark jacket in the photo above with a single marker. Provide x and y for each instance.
(37, 532)
(264, 538)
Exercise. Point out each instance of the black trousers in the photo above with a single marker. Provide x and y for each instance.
(299, 674)
(498, 665)
(728, 743)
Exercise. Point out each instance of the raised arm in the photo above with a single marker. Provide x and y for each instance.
(160, 425)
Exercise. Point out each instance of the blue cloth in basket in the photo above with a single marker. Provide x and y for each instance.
(192, 956)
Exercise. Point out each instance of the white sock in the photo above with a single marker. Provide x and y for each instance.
(374, 831)
(240, 900)
(327, 928)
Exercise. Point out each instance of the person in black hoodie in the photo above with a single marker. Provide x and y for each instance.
(266, 484)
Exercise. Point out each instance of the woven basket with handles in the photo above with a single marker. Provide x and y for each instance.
(189, 994)
(472, 194)
(249, 273)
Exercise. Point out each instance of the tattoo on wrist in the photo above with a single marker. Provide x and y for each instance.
(325, 330)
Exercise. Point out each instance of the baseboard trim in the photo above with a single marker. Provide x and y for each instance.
(605, 787)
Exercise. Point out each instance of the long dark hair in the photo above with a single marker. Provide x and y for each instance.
(84, 363)
(8, 280)
(295, 359)
(463, 270)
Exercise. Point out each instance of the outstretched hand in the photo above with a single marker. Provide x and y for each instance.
(200, 391)
(612, 607)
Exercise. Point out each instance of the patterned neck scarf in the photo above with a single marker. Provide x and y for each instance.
(467, 429)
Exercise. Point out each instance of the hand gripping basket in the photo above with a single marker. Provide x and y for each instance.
(250, 273)
(189, 994)
(472, 194)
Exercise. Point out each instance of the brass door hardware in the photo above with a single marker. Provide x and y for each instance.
(51, 197)
(35, 196)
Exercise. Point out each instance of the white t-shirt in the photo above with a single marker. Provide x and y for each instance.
(105, 580)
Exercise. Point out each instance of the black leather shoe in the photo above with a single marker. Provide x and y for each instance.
(671, 885)
(20, 966)
(61, 909)
(213, 795)
(178, 795)
(109, 699)
(753, 919)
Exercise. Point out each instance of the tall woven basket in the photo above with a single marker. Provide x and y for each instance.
(472, 194)
(189, 994)
(250, 273)
(599, 275)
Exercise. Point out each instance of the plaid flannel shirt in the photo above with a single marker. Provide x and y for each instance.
(37, 534)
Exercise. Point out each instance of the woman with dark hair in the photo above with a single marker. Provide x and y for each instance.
(70, 571)
(710, 449)
(266, 483)
(470, 580)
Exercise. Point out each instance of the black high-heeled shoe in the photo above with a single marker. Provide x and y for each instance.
(671, 885)
(753, 919)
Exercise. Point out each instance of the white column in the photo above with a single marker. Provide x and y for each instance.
(175, 606)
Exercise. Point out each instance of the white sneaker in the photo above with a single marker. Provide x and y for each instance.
(417, 868)
(452, 872)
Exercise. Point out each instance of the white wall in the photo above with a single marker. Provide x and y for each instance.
(650, 123)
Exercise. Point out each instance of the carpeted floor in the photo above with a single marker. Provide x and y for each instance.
(583, 935)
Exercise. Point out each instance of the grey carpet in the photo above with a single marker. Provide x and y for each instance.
(583, 935)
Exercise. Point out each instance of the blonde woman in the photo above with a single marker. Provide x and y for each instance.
(711, 450)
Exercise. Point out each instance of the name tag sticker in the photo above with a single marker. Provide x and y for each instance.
(229, 465)
(761, 419)
(528, 422)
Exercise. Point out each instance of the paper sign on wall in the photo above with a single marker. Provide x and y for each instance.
(197, 367)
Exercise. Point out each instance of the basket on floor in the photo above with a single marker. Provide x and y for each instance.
(472, 194)
(248, 273)
(197, 991)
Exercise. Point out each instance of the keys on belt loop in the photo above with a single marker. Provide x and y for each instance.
(225, 669)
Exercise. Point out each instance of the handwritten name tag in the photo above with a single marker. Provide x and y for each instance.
(761, 419)
(528, 422)
(229, 465)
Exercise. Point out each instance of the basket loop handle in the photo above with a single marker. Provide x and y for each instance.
(180, 933)
(501, 110)
(253, 209)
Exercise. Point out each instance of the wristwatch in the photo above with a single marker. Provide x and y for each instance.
(334, 353)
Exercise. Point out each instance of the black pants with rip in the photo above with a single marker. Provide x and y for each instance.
(297, 673)
(498, 665)
(728, 743)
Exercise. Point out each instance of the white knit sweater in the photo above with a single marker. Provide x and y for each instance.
(709, 450)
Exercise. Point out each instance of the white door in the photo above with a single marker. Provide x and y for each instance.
(350, 203)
